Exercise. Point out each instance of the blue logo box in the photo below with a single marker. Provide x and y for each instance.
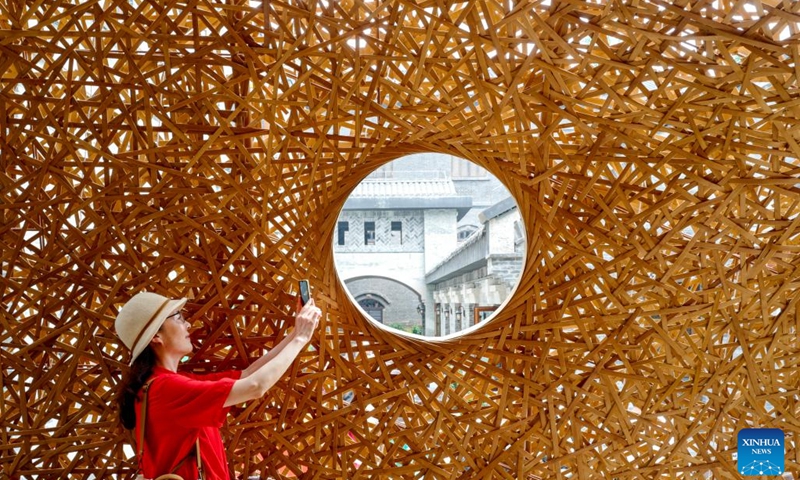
(761, 451)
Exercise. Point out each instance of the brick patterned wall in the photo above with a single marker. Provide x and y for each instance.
(412, 236)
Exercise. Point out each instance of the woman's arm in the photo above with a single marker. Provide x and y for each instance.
(275, 350)
(270, 370)
(267, 356)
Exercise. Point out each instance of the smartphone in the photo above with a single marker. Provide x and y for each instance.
(305, 293)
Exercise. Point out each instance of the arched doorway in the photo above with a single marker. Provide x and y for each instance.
(388, 301)
(373, 306)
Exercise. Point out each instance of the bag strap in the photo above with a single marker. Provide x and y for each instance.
(142, 415)
(196, 453)
(140, 447)
(199, 460)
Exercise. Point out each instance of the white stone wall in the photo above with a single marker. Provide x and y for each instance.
(501, 232)
(405, 267)
(440, 236)
(441, 239)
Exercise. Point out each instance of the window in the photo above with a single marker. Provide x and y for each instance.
(369, 233)
(397, 233)
(465, 232)
(483, 312)
(342, 228)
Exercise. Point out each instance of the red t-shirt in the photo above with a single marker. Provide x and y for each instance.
(182, 407)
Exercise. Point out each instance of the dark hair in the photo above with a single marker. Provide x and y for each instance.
(132, 382)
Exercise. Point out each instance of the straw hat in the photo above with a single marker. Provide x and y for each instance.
(139, 320)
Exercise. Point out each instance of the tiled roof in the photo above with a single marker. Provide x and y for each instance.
(405, 188)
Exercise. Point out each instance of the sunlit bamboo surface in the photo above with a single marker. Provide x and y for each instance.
(204, 149)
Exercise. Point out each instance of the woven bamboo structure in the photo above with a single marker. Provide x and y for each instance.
(204, 149)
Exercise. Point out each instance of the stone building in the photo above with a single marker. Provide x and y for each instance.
(476, 278)
(399, 234)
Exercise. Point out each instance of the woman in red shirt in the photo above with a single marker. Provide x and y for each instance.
(181, 407)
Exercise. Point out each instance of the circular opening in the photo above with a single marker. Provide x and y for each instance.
(430, 244)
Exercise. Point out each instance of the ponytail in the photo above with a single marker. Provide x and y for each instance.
(132, 382)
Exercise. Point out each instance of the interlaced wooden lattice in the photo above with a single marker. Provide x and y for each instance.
(203, 149)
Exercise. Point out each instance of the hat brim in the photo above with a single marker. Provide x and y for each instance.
(153, 328)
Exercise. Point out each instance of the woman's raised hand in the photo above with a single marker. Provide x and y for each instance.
(306, 321)
(267, 370)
